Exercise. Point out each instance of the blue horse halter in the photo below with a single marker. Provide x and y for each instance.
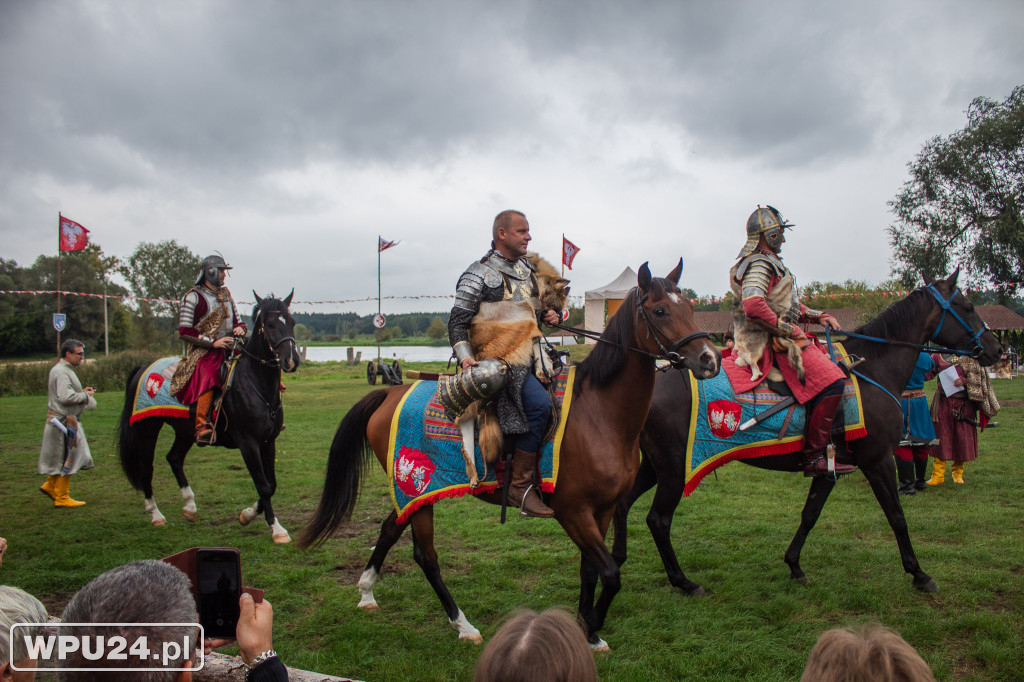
(974, 343)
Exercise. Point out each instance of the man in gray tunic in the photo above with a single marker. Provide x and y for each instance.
(65, 450)
(524, 407)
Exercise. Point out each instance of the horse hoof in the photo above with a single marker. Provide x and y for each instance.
(159, 522)
(802, 579)
(600, 647)
(475, 639)
(371, 606)
(282, 539)
(929, 586)
(189, 515)
(245, 518)
(696, 591)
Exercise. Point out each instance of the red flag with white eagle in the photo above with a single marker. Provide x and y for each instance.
(73, 237)
(569, 251)
(384, 244)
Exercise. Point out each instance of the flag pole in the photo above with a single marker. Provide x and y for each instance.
(376, 332)
(59, 221)
(563, 255)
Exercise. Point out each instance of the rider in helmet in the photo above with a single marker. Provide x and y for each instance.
(504, 274)
(206, 324)
(766, 309)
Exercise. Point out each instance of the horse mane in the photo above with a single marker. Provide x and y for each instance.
(893, 322)
(605, 362)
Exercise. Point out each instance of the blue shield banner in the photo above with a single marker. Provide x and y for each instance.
(60, 320)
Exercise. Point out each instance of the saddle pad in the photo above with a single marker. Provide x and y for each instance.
(716, 414)
(425, 461)
(152, 395)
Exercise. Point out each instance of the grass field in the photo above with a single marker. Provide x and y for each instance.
(754, 624)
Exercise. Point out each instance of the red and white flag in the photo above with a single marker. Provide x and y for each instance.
(569, 251)
(384, 244)
(73, 237)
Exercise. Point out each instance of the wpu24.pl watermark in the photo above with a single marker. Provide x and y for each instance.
(112, 647)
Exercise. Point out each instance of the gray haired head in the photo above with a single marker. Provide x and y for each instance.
(140, 592)
(70, 346)
(17, 606)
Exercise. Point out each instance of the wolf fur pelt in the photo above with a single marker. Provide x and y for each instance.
(750, 343)
(508, 330)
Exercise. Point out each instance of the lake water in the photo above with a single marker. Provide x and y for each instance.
(403, 353)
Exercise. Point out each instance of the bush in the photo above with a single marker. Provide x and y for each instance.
(104, 374)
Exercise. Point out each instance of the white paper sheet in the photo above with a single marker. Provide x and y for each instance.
(947, 378)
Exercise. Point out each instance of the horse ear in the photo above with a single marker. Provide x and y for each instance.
(643, 278)
(288, 301)
(952, 278)
(927, 280)
(676, 273)
(259, 301)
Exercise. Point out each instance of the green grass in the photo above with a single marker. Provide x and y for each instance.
(730, 535)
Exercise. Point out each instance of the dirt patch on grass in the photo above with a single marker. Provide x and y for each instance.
(55, 602)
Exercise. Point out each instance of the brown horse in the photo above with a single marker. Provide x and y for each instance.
(599, 452)
(890, 344)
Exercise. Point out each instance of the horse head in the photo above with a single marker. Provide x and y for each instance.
(671, 331)
(959, 326)
(274, 324)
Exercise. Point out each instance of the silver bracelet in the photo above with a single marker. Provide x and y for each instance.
(269, 653)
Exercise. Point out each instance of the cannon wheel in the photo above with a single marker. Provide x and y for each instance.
(396, 367)
(371, 373)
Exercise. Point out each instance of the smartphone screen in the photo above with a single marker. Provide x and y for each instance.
(219, 577)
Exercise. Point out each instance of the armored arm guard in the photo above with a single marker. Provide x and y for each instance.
(186, 321)
(469, 292)
(755, 284)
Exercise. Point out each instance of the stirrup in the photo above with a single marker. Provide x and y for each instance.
(544, 512)
(206, 436)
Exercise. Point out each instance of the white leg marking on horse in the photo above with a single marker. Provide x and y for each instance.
(247, 515)
(189, 511)
(279, 534)
(600, 647)
(466, 630)
(366, 582)
(155, 517)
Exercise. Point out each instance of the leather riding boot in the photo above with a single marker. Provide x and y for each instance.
(522, 492)
(204, 429)
(63, 489)
(817, 437)
(938, 472)
(50, 486)
(958, 472)
(920, 467)
(905, 472)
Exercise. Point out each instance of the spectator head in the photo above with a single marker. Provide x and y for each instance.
(871, 654)
(537, 646)
(140, 592)
(71, 346)
(17, 606)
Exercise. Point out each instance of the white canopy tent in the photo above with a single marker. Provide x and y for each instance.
(601, 303)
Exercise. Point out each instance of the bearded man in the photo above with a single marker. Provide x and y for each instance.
(207, 323)
(766, 309)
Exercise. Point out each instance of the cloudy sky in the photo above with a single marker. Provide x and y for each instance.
(288, 135)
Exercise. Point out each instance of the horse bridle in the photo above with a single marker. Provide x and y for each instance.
(669, 354)
(261, 329)
(971, 347)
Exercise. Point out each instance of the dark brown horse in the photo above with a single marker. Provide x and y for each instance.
(599, 455)
(251, 419)
(936, 313)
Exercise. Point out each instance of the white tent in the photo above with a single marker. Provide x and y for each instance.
(601, 303)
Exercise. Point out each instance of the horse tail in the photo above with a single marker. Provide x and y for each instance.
(127, 442)
(346, 464)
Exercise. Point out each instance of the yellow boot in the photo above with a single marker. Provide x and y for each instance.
(958, 472)
(938, 472)
(63, 488)
(50, 487)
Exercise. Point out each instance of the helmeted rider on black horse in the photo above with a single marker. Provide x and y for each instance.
(524, 407)
(207, 323)
(766, 310)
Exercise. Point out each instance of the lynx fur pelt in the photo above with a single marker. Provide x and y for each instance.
(508, 330)
(750, 345)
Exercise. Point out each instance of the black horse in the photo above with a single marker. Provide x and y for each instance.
(934, 313)
(251, 418)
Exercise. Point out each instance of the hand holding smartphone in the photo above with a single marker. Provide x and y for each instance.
(219, 584)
